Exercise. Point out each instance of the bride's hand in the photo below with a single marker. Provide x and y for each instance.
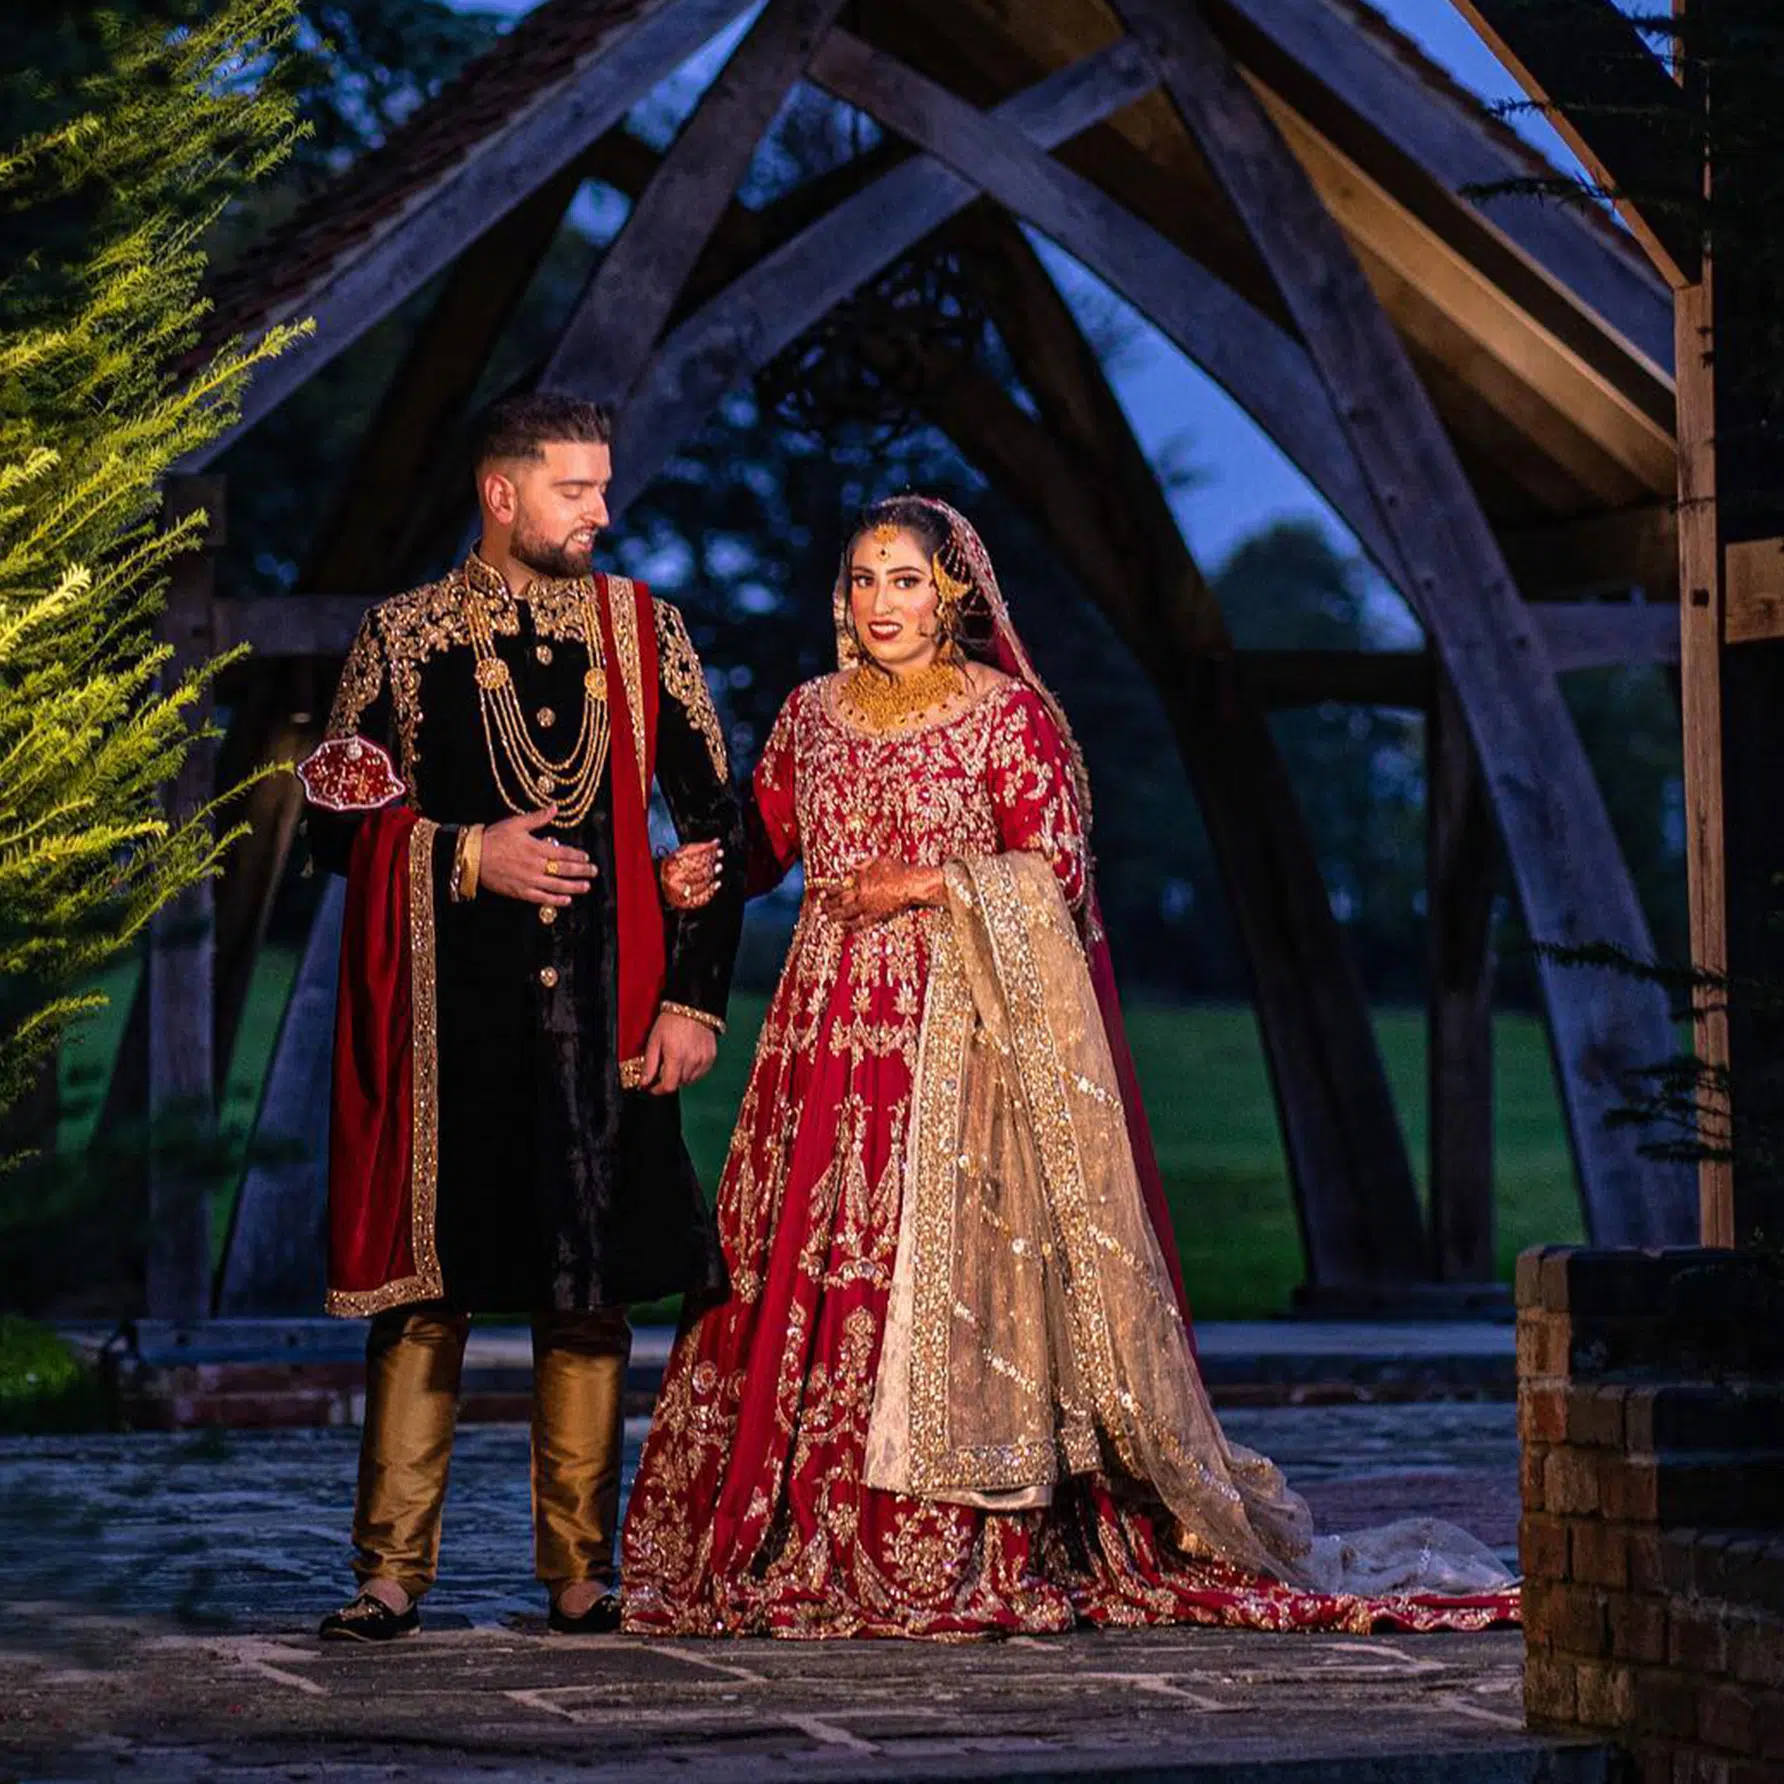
(879, 889)
(691, 875)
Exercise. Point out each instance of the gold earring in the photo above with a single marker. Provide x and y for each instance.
(951, 589)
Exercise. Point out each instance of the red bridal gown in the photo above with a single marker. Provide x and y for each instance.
(749, 1515)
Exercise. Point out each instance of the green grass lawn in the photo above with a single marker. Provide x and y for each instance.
(1214, 1124)
(1206, 1093)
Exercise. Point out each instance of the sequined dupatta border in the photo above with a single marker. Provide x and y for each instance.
(991, 1385)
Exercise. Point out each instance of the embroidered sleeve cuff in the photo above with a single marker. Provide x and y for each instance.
(467, 861)
(704, 1017)
(350, 774)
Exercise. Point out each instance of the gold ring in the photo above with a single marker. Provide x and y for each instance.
(551, 867)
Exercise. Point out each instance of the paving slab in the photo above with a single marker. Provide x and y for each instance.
(158, 1595)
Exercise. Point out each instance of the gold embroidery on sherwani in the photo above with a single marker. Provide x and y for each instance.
(685, 682)
(426, 1283)
(362, 678)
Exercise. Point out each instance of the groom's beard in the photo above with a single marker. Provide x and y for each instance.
(560, 561)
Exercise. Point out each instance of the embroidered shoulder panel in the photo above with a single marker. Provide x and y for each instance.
(350, 774)
(685, 682)
(362, 680)
(413, 627)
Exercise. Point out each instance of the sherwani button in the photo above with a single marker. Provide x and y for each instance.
(548, 976)
(542, 652)
(545, 718)
(548, 913)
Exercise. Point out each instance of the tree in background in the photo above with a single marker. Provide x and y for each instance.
(139, 131)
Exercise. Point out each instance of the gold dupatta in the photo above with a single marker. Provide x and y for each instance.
(1032, 1332)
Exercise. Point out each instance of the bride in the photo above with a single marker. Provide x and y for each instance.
(953, 1392)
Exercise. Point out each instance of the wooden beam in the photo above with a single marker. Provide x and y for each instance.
(362, 543)
(273, 1259)
(1282, 679)
(1700, 688)
(1565, 859)
(1635, 548)
(1087, 483)
(179, 966)
(1580, 400)
(527, 147)
(1261, 367)
(1461, 852)
(792, 288)
(1753, 600)
(629, 297)
(770, 306)
(291, 625)
(1145, 160)
(1614, 104)
(741, 237)
(1412, 135)
(1606, 634)
(252, 877)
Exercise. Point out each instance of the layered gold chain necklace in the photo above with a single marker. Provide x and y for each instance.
(887, 701)
(571, 781)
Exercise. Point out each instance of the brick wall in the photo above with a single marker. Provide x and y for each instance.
(1651, 1419)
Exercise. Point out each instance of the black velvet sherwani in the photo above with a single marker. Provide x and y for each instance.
(559, 1190)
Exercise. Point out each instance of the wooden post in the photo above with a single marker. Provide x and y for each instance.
(180, 966)
(1732, 544)
(1459, 890)
(625, 304)
(1700, 688)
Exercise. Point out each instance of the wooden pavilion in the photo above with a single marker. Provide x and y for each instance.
(1479, 384)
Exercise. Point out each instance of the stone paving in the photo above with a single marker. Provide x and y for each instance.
(160, 1593)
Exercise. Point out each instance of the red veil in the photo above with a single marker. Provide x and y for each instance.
(968, 560)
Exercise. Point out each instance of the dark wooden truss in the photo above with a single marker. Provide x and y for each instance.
(1479, 384)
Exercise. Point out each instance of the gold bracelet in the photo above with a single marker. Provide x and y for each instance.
(456, 886)
(473, 861)
(704, 1017)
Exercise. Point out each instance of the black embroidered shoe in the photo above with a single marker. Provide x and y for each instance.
(601, 1618)
(369, 1619)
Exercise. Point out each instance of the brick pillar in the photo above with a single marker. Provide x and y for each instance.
(1651, 1420)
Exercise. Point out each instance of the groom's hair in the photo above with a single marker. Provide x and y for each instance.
(523, 426)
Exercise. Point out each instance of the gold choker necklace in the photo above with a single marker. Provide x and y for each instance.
(887, 701)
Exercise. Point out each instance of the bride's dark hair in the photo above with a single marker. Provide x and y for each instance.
(973, 626)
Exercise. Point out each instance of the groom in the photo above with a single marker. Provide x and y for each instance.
(517, 1010)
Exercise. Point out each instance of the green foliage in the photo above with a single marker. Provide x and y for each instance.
(44, 1386)
(100, 395)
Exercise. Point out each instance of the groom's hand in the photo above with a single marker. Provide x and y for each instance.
(519, 863)
(680, 1052)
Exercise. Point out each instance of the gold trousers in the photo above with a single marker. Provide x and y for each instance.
(414, 1363)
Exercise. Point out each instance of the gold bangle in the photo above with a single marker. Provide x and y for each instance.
(473, 861)
(456, 885)
(704, 1017)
